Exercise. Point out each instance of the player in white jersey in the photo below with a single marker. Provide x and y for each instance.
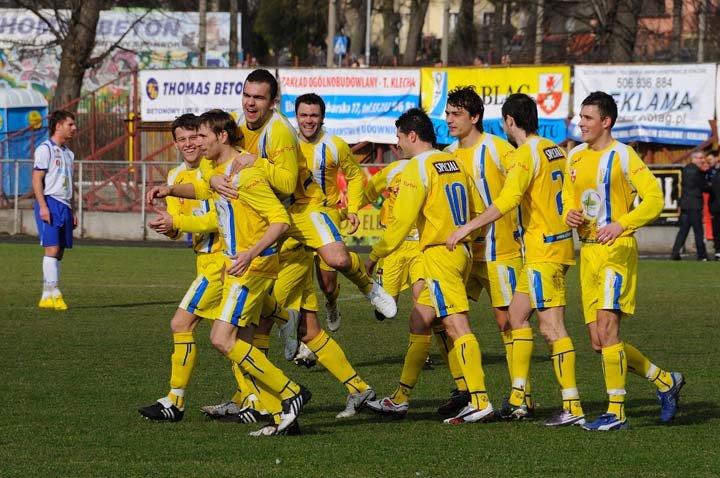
(53, 189)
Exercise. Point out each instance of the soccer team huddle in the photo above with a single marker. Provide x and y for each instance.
(262, 203)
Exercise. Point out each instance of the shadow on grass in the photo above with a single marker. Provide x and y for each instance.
(487, 358)
(124, 306)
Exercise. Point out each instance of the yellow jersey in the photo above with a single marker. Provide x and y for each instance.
(196, 216)
(604, 185)
(279, 156)
(243, 221)
(534, 181)
(388, 178)
(487, 162)
(437, 194)
(324, 158)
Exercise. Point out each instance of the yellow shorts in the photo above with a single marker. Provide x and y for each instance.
(446, 273)
(295, 288)
(312, 225)
(400, 269)
(336, 217)
(205, 293)
(608, 277)
(242, 299)
(544, 282)
(499, 278)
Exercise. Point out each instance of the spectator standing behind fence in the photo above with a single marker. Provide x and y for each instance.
(53, 188)
(692, 185)
(713, 179)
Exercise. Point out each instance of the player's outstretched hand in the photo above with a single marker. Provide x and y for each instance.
(163, 224)
(223, 186)
(354, 221)
(575, 218)
(157, 192)
(457, 236)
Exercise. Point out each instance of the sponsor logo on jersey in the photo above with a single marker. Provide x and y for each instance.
(444, 167)
(553, 153)
(573, 174)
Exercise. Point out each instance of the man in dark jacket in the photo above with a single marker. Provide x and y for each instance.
(713, 179)
(692, 185)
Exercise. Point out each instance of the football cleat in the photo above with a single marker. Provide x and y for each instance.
(429, 364)
(221, 409)
(457, 401)
(305, 356)
(272, 430)
(291, 408)
(605, 423)
(379, 316)
(288, 333)
(46, 303)
(564, 418)
(385, 406)
(355, 401)
(470, 414)
(670, 400)
(162, 410)
(247, 415)
(59, 303)
(513, 412)
(332, 316)
(382, 301)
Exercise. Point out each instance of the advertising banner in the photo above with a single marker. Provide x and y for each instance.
(361, 104)
(668, 177)
(549, 85)
(669, 104)
(167, 94)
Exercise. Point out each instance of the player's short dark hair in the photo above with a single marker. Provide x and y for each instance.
(310, 99)
(466, 97)
(263, 76)
(523, 110)
(219, 121)
(605, 103)
(187, 121)
(417, 120)
(57, 117)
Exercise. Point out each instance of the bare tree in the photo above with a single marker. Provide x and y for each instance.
(233, 53)
(464, 43)
(677, 22)
(202, 31)
(418, 11)
(355, 22)
(391, 20)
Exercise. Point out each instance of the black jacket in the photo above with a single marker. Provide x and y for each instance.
(714, 202)
(693, 185)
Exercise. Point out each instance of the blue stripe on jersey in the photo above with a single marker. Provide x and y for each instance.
(440, 299)
(322, 168)
(269, 251)
(606, 180)
(617, 285)
(331, 225)
(202, 287)
(486, 188)
(538, 289)
(512, 279)
(263, 141)
(239, 305)
(557, 237)
(308, 181)
(231, 232)
(211, 241)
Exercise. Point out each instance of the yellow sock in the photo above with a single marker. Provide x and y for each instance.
(468, 354)
(182, 363)
(414, 360)
(639, 364)
(332, 357)
(522, 349)
(357, 274)
(268, 400)
(243, 394)
(252, 360)
(615, 369)
(507, 339)
(271, 309)
(563, 359)
(445, 346)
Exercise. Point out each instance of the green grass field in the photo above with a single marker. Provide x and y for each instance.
(71, 382)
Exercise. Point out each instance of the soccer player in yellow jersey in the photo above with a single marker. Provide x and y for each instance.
(271, 143)
(437, 195)
(534, 182)
(203, 296)
(325, 155)
(497, 259)
(250, 226)
(602, 181)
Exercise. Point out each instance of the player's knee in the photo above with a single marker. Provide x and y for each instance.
(221, 341)
(341, 262)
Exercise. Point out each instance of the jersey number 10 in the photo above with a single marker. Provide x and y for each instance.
(457, 198)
